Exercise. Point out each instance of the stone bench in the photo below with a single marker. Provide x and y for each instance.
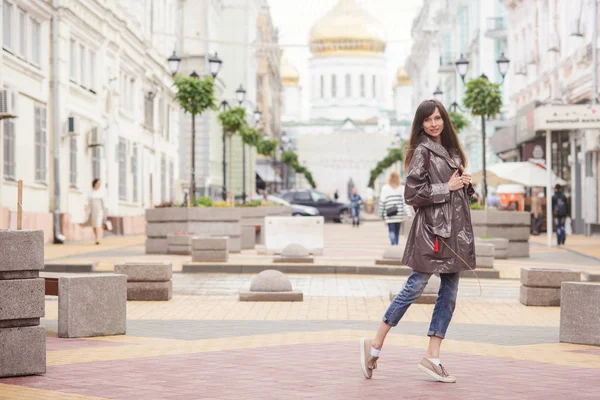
(147, 281)
(484, 255)
(500, 246)
(90, 305)
(22, 340)
(580, 313)
(510, 225)
(180, 244)
(210, 249)
(542, 287)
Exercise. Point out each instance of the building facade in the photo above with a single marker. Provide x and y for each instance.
(92, 99)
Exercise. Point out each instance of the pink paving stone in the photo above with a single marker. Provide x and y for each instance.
(315, 371)
(54, 343)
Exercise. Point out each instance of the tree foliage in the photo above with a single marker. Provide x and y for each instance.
(266, 147)
(310, 179)
(195, 95)
(458, 120)
(290, 158)
(233, 119)
(394, 155)
(483, 98)
(250, 136)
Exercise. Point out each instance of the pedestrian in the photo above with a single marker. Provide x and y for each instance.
(441, 237)
(96, 210)
(370, 199)
(536, 211)
(355, 203)
(393, 208)
(560, 212)
(336, 196)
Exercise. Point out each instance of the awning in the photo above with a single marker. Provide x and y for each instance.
(523, 173)
(267, 173)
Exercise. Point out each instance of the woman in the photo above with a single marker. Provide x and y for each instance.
(355, 203)
(441, 237)
(393, 209)
(96, 210)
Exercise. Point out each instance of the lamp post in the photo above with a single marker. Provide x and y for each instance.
(462, 65)
(240, 95)
(267, 137)
(215, 66)
(224, 106)
(438, 94)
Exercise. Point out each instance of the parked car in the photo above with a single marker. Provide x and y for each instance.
(297, 209)
(328, 208)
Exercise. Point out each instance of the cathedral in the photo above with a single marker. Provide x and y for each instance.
(350, 128)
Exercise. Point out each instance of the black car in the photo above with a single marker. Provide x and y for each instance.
(331, 210)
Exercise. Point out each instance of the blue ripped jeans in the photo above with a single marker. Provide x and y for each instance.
(412, 290)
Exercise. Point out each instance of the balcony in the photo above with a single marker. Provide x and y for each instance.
(447, 64)
(496, 28)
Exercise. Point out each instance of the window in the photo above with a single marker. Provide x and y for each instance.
(95, 162)
(134, 173)
(73, 66)
(302, 196)
(73, 161)
(322, 86)
(9, 139)
(319, 197)
(161, 116)
(82, 66)
(130, 90)
(168, 132)
(172, 180)
(122, 169)
(348, 86)
(163, 178)
(41, 144)
(7, 25)
(22, 34)
(149, 111)
(36, 49)
(362, 86)
(92, 70)
(333, 86)
(374, 86)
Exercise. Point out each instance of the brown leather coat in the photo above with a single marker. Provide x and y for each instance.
(441, 214)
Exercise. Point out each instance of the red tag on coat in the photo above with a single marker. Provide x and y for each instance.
(436, 246)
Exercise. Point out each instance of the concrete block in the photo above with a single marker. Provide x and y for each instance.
(16, 323)
(548, 278)
(235, 244)
(81, 267)
(532, 296)
(179, 240)
(283, 231)
(518, 249)
(92, 305)
(210, 243)
(156, 246)
(21, 298)
(512, 233)
(211, 268)
(180, 250)
(588, 276)
(294, 260)
(9, 275)
(483, 273)
(484, 249)
(216, 228)
(145, 272)
(171, 214)
(248, 237)
(164, 229)
(149, 291)
(506, 218)
(271, 296)
(248, 213)
(22, 351)
(271, 281)
(484, 262)
(21, 250)
(580, 313)
(214, 214)
(210, 256)
(389, 261)
(500, 246)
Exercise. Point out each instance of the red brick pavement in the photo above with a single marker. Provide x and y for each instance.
(321, 371)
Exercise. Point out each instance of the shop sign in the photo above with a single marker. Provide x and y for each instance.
(567, 117)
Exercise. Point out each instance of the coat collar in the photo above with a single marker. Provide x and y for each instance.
(438, 149)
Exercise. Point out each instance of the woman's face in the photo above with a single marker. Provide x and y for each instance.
(434, 124)
(97, 185)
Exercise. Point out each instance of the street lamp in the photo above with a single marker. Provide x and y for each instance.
(438, 94)
(462, 65)
(503, 63)
(195, 75)
(174, 62)
(224, 106)
(240, 95)
(257, 115)
(214, 64)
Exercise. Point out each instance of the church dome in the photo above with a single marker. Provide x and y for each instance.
(289, 74)
(347, 30)
(402, 78)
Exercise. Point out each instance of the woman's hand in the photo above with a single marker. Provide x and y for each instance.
(466, 177)
(455, 182)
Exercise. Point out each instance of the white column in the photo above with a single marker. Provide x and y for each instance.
(549, 217)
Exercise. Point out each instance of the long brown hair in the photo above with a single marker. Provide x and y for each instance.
(449, 136)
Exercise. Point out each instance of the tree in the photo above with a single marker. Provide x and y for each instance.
(458, 120)
(290, 158)
(194, 96)
(250, 136)
(483, 98)
(394, 155)
(233, 120)
(266, 147)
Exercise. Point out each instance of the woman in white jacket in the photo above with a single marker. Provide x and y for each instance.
(393, 208)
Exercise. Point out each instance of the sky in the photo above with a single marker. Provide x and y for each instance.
(295, 18)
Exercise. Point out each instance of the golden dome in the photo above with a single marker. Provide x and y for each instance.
(347, 30)
(402, 78)
(289, 74)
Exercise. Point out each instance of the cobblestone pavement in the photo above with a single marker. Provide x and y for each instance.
(204, 344)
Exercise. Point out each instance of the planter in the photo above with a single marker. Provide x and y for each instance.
(207, 221)
(179, 243)
(511, 225)
(500, 246)
(252, 218)
(272, 211)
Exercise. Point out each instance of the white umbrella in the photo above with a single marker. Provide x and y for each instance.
(524, 173)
